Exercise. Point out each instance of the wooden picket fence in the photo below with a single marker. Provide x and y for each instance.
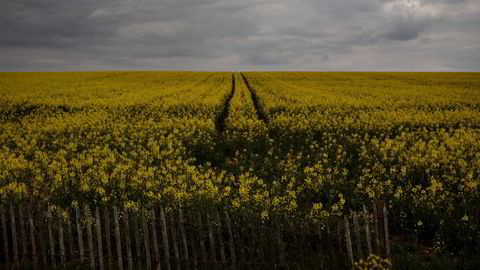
(107, 238)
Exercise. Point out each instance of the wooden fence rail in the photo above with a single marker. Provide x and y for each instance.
(104, 238)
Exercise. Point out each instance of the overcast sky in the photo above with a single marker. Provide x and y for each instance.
(43, 35)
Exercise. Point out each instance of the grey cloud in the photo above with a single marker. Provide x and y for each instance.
(226, 34)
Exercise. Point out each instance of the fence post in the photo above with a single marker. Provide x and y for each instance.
(4, 232)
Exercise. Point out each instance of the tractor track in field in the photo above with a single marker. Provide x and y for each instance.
(261, 114)
(220, 120)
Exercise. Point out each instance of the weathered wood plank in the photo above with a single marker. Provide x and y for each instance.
(61, 240)
(4, 233)
(220, 239)
(166, 246)
(108, 237)
(183, 235)
(366, 218)
(357, 236)
(156, 251)
(23, 234)
(118, 238)
(98, 226)
(202, 238)
(231, 239)
(348, 241)
(79, 234)
(387, 236)
(138, 247)
(145, 238)
(281, 246)
(71, 246)
(176, 252)
(213, 255)
(14, 234)
(50, 236)
(32, 238)
(42, 241)
(91, 250)
(376, 230)
(128, 242)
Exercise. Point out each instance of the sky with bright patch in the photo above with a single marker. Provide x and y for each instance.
(324, 35)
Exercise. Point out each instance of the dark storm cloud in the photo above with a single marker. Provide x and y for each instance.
(250, 34)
